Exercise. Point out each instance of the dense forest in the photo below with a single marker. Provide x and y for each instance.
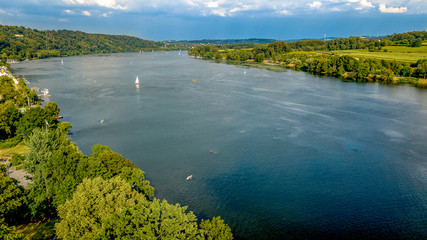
(317, 57)
(20, 43)
(101, 196)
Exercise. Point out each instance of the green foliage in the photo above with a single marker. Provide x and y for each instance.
(52, 108)
(6, 231)
(135, 177)
(97, 149)
(38, 117)
(42, 44)
(42, 143)
(215, 229)
(10, 142)
(114, 163)
(9, 117)
(93, 203)
(7, 89)
(12, 200)
(387, 75)
(64, 126)
(17, 159)
(259, 57)
(151, 220)
(410, 39)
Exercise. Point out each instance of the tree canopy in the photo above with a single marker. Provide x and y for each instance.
(25, 43)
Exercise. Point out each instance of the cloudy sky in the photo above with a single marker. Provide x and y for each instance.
(220, 19)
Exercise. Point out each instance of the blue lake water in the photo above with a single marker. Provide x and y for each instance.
(295, 156)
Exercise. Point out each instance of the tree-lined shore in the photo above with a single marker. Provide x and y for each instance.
(329, 58)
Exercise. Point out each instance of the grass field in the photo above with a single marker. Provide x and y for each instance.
(398, 53)
(8, 152)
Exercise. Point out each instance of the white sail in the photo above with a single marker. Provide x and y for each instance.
(137, 81)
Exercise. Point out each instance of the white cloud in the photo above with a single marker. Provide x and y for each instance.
(86, 13)
(385, 9)
(366, 4)
(68, 11)
(284, 12)
(212, 4)
(315, 4)
(220, 12)
(238, 7)
(63, 20)
(113, 4)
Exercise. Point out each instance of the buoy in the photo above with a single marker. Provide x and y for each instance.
(194, 80)
(211, 151)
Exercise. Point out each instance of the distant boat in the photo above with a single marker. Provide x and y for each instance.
(190, 177)
(45, 92)
(137, 81)
(62, 62)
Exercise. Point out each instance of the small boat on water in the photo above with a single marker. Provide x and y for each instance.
(45, 91)
(190, 177)
(137, 81)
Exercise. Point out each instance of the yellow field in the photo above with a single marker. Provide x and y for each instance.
(398, 53)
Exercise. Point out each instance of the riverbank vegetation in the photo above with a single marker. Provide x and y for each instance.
(74, 196)
(20, 43)
(399, 58)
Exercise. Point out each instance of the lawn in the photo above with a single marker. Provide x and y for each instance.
(8, 152)
(398, 53)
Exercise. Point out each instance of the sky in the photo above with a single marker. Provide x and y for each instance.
(220, 19)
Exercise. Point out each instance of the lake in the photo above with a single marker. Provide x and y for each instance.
(294, 156)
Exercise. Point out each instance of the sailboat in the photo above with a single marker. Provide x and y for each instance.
(137, 81)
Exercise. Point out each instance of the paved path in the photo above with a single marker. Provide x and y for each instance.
(20, 175)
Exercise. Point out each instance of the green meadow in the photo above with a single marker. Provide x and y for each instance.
(398, 53)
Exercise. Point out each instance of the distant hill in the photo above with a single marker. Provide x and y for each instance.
(25, 43)
(224, 41)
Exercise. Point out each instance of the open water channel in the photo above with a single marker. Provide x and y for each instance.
(294, 156)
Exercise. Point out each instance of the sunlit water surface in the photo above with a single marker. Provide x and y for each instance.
(295, 156)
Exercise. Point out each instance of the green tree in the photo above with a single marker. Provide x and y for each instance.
(13, 201)
(151, 220)
(6, 231)
(41, 144)
(52, 109)
(215, 229)
(97, 149)
(64, 126)
(387, 74)
(38, 117)
(9, 118)
(362, 71)
(260, 57)
(135, 177)
(93, 203)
